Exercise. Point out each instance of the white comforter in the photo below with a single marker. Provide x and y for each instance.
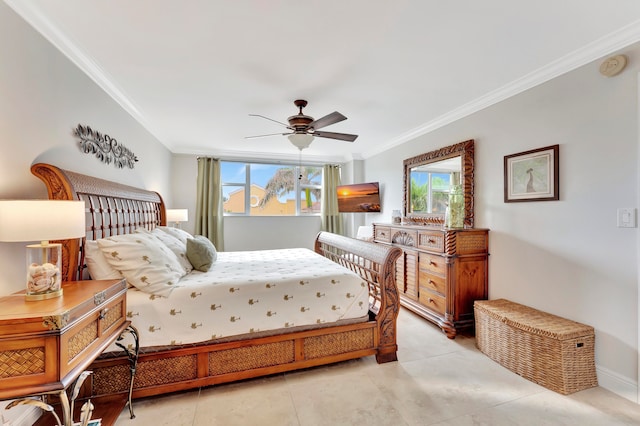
(246, 292)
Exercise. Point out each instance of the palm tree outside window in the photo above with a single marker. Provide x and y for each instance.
(261, 189)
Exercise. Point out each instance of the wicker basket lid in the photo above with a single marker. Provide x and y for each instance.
(533, 320)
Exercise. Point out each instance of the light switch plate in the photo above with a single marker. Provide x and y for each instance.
(626, 217)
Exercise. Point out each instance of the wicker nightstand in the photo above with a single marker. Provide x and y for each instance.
(45, 345)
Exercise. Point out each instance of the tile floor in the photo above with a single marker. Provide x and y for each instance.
(436, 381)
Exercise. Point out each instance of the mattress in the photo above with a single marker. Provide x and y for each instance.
(250, 292)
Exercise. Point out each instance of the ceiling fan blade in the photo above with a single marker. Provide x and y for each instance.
(270, 134)
(332, 135)
(334, 117)
(270, 119)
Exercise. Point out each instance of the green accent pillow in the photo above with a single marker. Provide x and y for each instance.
(201, 252)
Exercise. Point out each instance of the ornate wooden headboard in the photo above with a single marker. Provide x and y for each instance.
(111, 209)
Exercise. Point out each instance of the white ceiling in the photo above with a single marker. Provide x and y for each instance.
(191, 71)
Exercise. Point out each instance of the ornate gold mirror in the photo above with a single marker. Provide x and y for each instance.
(428, 179)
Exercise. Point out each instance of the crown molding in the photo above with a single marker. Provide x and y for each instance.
(604, 46)
(269, 157)
(70, 49)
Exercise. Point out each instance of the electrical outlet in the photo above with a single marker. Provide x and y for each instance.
(626, 218)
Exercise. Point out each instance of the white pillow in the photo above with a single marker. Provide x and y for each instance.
(176, 246)
(176, 233)
(97, 264)
(144, 261)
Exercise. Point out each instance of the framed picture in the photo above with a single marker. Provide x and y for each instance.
(532, 175)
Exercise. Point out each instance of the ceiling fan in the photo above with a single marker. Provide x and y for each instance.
(304, 128)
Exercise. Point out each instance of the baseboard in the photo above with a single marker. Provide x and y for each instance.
(617, 384)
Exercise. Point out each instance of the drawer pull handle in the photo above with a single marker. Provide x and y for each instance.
(103, 313)
(432, 282)
(430, 300)
(431, 262)
(431, 241)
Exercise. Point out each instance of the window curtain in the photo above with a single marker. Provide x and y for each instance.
(209, 216)
(331, 219)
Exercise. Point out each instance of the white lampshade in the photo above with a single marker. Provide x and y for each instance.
(177, 215)
(301, 140)
(365, 233)
(41, 220)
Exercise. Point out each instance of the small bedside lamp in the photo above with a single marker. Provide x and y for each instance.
(176, 216)
(42, 220)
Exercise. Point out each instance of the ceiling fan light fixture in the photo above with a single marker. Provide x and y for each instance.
(305, 128)
(301, 140)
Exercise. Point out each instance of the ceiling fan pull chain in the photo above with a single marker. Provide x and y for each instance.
(300, 165)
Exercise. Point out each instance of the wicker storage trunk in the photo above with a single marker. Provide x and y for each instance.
(554, 352)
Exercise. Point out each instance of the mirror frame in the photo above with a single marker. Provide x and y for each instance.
(463, 149)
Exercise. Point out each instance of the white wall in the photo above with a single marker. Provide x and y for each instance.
(184, 181)
(270, 232)
(242, 232)
(43, 97)
(566, 257)
(352, 172)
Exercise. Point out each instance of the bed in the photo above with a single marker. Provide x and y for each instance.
(185, 363)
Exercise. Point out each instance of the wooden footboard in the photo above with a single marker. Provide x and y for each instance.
(376, 265)
(114, 209)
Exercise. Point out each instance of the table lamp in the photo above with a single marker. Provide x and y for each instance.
(176, 216)
(42, 220)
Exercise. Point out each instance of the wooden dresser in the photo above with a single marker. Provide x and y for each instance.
(45, 345)
(441, 271)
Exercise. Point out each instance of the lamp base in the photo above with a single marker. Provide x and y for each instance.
(42, 296)
(44, 280)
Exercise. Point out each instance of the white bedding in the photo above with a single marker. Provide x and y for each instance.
(247, 292)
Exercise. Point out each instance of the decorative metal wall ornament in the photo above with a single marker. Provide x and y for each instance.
(104, 147)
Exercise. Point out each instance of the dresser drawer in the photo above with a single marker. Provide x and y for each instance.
(407, 238)
(91, 332)
(431, 240)
(382, 234)
(433, 301)
(432, 263)
(434, 283)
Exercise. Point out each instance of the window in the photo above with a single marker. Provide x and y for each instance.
(260, 189)
(430, 191)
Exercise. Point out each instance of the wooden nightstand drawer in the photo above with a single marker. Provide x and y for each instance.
(90, 333)
(432, 263)
(46, 344)
(27, 361)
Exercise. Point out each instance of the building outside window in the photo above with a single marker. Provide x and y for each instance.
(261, 189)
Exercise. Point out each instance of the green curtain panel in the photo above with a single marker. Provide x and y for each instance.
(331, 218)
(209, 215)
